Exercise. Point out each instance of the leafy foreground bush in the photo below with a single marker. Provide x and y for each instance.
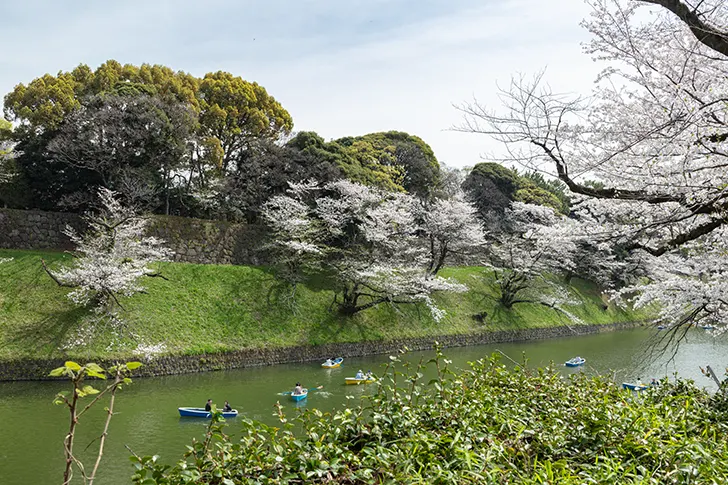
(489, 424)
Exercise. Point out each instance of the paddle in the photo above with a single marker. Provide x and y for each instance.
(288, 393)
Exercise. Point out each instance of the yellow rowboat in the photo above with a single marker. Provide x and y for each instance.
(355, 381)
(333, 364)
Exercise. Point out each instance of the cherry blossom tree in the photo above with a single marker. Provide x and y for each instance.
(451, 228)
(532, 245)
(368, 240)
(111, 257)
(653, 133)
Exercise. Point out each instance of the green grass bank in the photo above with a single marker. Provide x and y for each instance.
(206, 309)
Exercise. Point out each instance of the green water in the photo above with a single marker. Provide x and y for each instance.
(32, 428)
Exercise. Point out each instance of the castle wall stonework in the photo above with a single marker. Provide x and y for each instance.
(192, 240)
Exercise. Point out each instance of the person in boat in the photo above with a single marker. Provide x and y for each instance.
(368, 375)
(208, 406)
(329, 362)
(298, 390)
(639, 382)
(227, 407)
(654, 382)
(359, 375)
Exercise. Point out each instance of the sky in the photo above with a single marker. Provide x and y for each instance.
(341, 68)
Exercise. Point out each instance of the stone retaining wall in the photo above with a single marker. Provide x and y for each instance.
(192, 240)
(37, 369)
(21, 229)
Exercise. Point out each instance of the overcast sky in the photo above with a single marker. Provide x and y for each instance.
(340, 67)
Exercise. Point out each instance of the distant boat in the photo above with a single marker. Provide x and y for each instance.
(332, 364)
(201, 413)
(634, 387)
(363, 380)
(707, 327)
(661, 327)
(300, 397)
(575, 362)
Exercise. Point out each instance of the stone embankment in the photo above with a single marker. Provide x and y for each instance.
(192, 240)
(37, 369)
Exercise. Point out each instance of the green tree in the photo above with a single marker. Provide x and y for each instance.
(230, 114)
(393, 160)
(410, 160)
(268, 171)
(237, 112)
(554, 186)
(357, 163)
(530, 193)
(491, 187)
(135, 145)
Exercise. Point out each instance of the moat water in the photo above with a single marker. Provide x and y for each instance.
(33, 428)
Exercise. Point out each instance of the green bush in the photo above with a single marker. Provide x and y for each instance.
(489, 424)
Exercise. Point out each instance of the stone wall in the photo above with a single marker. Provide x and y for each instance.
(37, 369)
(193, 240)
(210, 242)
(21, 229)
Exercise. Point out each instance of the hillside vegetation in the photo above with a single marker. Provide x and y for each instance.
(214, 308)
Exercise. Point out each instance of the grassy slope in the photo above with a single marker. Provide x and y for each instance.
(208, 308)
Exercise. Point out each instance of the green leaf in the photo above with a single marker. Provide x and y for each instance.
(90, 390)
(96, 374)
(57, 372)
(95, 368)
(133, 365)
(73, 366)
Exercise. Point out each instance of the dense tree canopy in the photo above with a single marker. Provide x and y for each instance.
(237, 112)
(45, 102)
(392, 160)
(492, 187)
(268, 170)
(175, 131)
(135, 145)
(169, 142)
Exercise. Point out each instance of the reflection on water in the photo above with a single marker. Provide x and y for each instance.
(148, 421)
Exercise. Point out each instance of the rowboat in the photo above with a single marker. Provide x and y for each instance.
(575, 362)
(355, 381)
(300, 397)
(633, 387)
(201, 413)
(707, 327)
(332, 364)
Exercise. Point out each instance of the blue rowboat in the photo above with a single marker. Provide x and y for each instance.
(707, 327)
(201, 413)
(332, 364)
(633, 387)
(575, 362)
(300, 397)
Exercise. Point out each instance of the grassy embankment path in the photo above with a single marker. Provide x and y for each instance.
(211, 308)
